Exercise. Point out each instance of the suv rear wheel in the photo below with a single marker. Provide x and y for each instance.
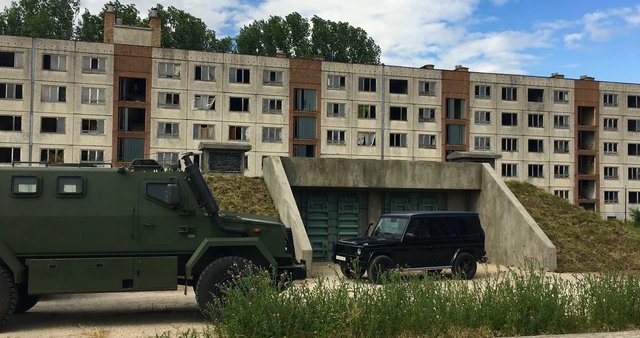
(379, 268)
(464, 266)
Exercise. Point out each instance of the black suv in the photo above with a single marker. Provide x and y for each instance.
(431, 241)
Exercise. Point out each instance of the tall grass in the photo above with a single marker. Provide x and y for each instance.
(509, 303)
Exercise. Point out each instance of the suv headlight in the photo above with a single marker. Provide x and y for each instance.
(359, 252)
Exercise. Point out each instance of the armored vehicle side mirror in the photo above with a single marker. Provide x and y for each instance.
(174, 196)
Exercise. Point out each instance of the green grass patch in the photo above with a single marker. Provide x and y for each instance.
(238, 193)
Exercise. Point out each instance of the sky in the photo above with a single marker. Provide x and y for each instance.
(535, 37)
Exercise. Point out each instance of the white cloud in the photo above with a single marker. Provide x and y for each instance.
(571, 41)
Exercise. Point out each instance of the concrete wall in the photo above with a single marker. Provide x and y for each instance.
(278, 185)
(512, 236)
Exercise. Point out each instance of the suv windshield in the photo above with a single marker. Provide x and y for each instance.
(391, 227)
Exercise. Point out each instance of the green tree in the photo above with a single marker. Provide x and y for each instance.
(90, 27)
(341, 42)
(51, 19)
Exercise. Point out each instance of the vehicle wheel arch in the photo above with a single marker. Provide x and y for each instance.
(211, 250)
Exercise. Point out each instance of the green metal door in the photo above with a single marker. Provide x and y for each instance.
(411, 201)
(317, 224)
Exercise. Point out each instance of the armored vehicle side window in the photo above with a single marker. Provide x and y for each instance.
(164, 193)
(442, 227)
(25, 185)
(70, 185)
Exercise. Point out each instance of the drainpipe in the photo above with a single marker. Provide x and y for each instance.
(382, 90)
(32, 90)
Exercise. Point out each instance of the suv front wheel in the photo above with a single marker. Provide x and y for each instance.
(379, 268)
(464, 266)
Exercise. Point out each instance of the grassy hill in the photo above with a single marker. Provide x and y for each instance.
(584, 241)
(237, 193)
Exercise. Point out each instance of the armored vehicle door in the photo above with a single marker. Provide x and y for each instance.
(163, 215)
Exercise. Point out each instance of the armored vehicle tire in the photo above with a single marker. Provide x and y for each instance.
(379, 268)
(213, 277)
(350, 273)
(8, 295)
(464, 266)
(25, 300)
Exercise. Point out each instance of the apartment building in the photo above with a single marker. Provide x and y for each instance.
(126, 98)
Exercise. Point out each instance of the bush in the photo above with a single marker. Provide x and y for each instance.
(635, 216)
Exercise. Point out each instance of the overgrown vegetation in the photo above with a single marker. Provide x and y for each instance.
(509, 303)
(584, 241)
(237, 193)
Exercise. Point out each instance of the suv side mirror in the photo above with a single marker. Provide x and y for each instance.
(410, 235)
(174, 196)
(367, 231)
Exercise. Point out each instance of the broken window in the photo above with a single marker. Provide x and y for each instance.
(634, 173)
(366, 111)
(426, 114)
(482, 143)
(92, 127)
(366, 84)
(456, 109)
(203, 131)
(169, 100)
(335, 109)
(52, 125)
(536, 146)
(91, 64)
(336, 81)
(561, 146)
(93, 95)
(204, 102)
(239, 104)
(271, 134)
(168, 70)
(397, 113)
(239, 75)
(482, 92)
(131, 119)
(168, 130)
(90, 155)
(561, 121)
(54, 94)
(535, 95)
(610, 173)
(11, 59)
(10, 91)
(610, 124)
(610, 148)
(335, 136)
(482, 117)
(427, 88)
(561, 96)
(509, 94)
(272, 77)
(52, 155)
(366, 138)
(304, 100)
(427, 141)
(561, 171)
(8, 155)
(610, 100)
(271, 106)
(397, 86)
(167, 159)
(132, 89)
(205, 73)
(54, 62)
(10, 123)
(610, 197)
(238, 133)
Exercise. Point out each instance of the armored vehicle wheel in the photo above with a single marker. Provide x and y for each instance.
(464, 266)
(350, 273)
(379, 268)
(213, 277)
(25, 300)
(8, 295)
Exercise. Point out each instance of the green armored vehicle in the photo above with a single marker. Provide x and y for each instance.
(78, 229)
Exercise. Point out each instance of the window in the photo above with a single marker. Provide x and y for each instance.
(52, 155)
(483, 92)
(633, 101)
(509, 119)
(87, 155)
(482, 143)
(239, 104)
(131, 119)
(536, 170)
(304, 128)
(509, 94)
(427, 88)
(204, 102)
(336, 81)
(239, 75)
(272, 77)
(562, 193)
(366, 111)
(271, 134)
(54, 62)
(536, 120)
(10, 123)
(610, 148)
(130, 148)
(271, 106)
(610, 197)
(366, 139)
(92, 64)
(205, 73)
(169, 100)
(304, 150)
(168, 130)
(398, 140)
(10, 91)
(633, 125)
(634, 173)
(510, 144)
(11, 59)
(366, 84)
(27, 185)
(52, 125)
(427, 141)
(610, 173)
(561, 96)
(561, 171)
(610, 124)
(54, 94)
(305, 100)
(536, 146)
(238, 133)
(203, 131)
(426, 114)
(93, 95)
(335, 136)
(561, 146)
(92, 127)
(535, 95)
(397, 113)
(168, 70)
(610, 100)
(509, 170)
(132, 89)
(167, 159)
(456, 109)
(8, 155)
(335, 109)
(455, 134)
(397, 86)
(634, 197)
(482, 117)
(561, 121)
(633, 149)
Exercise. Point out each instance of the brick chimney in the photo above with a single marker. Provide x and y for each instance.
(156, 28)
(109, 21)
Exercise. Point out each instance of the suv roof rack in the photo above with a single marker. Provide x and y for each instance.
(145, 164)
